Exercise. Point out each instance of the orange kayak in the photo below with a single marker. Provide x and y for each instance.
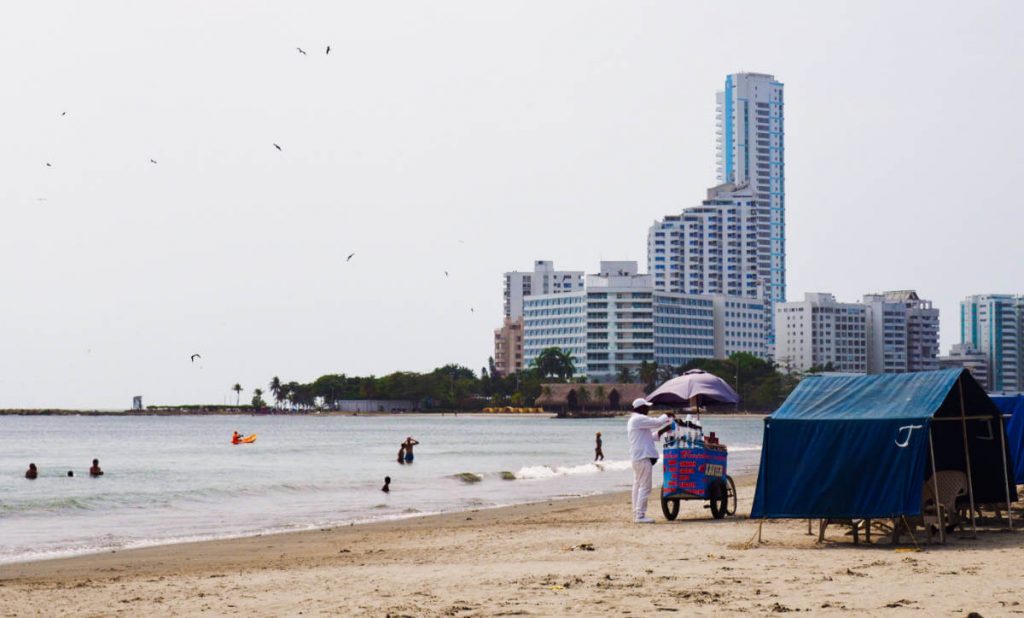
(246, 440)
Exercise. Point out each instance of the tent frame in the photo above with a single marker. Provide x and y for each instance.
(963, 418)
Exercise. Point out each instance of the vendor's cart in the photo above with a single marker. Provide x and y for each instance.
(694, 467)
(696, 471)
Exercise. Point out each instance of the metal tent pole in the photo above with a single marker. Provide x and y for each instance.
(935, 482)
(967, 456)
(1006, 474)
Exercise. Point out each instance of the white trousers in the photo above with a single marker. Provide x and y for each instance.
(641, 486)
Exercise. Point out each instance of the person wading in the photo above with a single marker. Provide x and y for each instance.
(642, 432)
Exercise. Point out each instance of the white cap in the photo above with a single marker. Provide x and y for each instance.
(641, 403)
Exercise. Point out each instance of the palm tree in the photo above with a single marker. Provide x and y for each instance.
(275, 389)
(555, 362)
(257, 399)
(648, 373)
(625, 376)
(600, 395)
(238, 392)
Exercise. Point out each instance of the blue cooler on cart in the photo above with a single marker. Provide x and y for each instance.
(695, 469)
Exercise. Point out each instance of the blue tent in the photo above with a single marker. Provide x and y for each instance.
(858, 446)
(1014, 406)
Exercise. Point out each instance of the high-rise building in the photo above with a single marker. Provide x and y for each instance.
(902, 331)
(544, 279)
(750, 151)
(619, 321)
(819, 332)
(508, 347)
(993, 324)
(962, 355)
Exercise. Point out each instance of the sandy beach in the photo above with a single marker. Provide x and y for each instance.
(572, 557)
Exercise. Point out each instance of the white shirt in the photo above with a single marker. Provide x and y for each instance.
(643, 430)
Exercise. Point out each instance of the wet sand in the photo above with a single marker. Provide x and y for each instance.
(572, 557)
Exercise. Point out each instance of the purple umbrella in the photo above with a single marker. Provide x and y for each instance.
(694, 382)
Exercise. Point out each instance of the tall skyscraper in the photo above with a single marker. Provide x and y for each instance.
(751, 151)
(994, 325)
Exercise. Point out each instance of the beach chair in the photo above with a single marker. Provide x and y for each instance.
(856, 526)
(942, 511)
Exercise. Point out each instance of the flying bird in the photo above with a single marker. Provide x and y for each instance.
(153, 161)
(350, 256)
(278, 147)
(63, 113)
(301, 51)
(328, 50)
(446, 273)
(194, 357)
(48, 165)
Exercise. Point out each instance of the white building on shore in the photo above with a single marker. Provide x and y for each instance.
(818, 332)
(543, 279)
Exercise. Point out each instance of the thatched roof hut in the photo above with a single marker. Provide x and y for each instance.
(567, 397)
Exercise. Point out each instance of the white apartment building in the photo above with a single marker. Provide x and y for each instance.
(750, 150)
(993, 324)
(903, 332)
(962, 355)
(819, 331)
(626, 322)
(544, 279)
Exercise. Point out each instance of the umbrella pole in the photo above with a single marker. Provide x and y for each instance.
(935, 482)
(1006, 473)
(967, 457)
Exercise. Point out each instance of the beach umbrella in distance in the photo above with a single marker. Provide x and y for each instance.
(694, 383)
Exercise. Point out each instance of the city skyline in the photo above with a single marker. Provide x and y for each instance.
(457, 138)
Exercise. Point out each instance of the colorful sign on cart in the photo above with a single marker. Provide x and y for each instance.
(688, 470)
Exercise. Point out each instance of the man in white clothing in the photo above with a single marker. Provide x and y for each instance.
(643, 430)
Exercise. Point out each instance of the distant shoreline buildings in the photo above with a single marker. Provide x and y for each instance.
(716, 285)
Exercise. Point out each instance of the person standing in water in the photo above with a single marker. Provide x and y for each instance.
(95, 470)
(409, 443)
(31, 473)
(598, 451)
(401, 453)
(387, 485)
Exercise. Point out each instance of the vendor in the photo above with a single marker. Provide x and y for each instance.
(643, 431)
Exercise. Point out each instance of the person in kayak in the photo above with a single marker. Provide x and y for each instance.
(95, 470)
(236, 438)
(642, 450)
(31, 473)
(409, 443)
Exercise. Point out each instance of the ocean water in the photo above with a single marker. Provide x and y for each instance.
(172, 479)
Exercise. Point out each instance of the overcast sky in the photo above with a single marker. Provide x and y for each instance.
(472, 137)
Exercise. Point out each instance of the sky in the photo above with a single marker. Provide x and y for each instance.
(469, 137)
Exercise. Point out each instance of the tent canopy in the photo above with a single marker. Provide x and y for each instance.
(858, 446)
(1014, 406)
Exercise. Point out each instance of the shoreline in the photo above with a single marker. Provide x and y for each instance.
(241, 412)
(578, 556)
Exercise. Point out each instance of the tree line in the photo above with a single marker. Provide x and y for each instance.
(456, 387)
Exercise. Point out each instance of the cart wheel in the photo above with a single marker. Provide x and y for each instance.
(730, 495)
(717, 494)
(670, 508)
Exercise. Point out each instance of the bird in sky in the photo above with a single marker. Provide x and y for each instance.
(63, 113)
(153, 161)
(48, 165)
(472, 310)
(350, 256)
(278, 147)
(328, 50)
(301, 51)
(194, 357)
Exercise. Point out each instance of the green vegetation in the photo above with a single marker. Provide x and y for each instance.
(455, 387)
